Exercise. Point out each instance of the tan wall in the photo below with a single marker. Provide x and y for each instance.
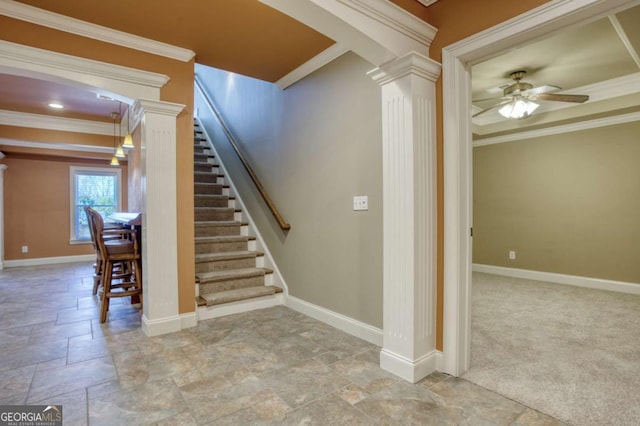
(179, 89)
(456, 20)
(314, 146)
(37, 207)
(567, 203)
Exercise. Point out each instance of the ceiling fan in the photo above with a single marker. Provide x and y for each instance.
(518, 98)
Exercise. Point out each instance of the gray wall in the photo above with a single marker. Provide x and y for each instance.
(568, 203)
(314, 146)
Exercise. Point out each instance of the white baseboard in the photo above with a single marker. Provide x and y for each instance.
(411, 371)
(341, 322)
(161, 326)
(188, 320)
(595, 283)
(439, 361)
(49, 260)
(209, 312)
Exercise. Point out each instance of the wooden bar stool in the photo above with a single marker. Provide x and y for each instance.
(113, 252)
(99, 265)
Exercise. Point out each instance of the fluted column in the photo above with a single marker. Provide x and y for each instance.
(159, 215)
(409, 215)
(3, 167)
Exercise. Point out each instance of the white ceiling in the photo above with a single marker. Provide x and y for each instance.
(599, 59)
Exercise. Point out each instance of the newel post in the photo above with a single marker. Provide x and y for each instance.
(409, 214)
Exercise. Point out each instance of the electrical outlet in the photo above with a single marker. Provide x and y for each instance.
(512, 255)
(25, 249)
(361, 202)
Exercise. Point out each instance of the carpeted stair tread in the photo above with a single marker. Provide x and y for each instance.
(231, 274)
(216, 238)
(235, 295)
(220, 223)
(229, 255)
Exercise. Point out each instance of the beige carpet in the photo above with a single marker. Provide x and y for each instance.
(570, 352)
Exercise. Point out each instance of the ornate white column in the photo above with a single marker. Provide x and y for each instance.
(159, 215)
(3, 167)
(409, 214)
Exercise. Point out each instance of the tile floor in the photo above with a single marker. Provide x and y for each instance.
(268, 367)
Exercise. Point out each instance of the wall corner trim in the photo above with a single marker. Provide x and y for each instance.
(552, 277)
(313, 64)
(344, 323)
(75, 26)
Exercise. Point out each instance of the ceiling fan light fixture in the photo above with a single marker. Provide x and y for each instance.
(518, 108)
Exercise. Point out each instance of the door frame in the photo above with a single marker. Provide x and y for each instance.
(457, 60)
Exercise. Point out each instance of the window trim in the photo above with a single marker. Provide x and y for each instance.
(89, 170)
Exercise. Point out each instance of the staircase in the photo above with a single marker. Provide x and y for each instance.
(228, 267)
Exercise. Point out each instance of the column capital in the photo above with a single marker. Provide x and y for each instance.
(157, 107)
(413, 63)
(3, 167)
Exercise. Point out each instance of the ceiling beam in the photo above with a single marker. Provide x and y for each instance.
(377, 30)
(624, 39)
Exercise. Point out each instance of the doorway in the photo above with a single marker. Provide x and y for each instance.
(457, 61)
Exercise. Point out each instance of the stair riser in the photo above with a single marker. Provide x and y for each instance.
(201, 157)
(207, 189)
(199, 149)
(221, 247)
(231, 284)
(225, 265)
(206, 178)
(211, 202)
(216, 231)
(208, 168)
(211, 215)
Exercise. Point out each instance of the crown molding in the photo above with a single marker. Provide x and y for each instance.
(67, 24)
(396, 18)
(57, 146)
(35, 59)
(427, 2)
(565, 128)
(312, 65)
(47, 122)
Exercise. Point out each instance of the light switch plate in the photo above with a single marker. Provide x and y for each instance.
(361, 202)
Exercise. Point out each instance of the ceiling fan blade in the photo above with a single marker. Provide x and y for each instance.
(490, 99)
(540, 89)
(491, 108)
(560, 97)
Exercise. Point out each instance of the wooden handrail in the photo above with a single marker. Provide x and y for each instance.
(274, 211)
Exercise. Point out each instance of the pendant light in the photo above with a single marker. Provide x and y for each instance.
(128, 139)
(114, 159)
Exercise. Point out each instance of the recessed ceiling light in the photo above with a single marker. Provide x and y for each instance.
(56, 105)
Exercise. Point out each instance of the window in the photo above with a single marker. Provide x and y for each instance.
(96, 187)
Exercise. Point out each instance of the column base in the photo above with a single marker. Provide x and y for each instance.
(411, 371)
(161, 326)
